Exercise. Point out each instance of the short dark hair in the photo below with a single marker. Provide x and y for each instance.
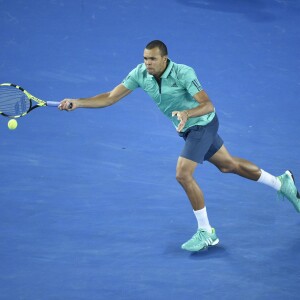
(159, 44)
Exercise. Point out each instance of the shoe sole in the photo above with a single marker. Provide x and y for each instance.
(289, 173)
(211, 245)
(215, 242)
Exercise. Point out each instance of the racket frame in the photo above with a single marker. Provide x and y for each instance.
(38, 102)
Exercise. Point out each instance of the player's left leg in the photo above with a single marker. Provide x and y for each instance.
(284, 184)
(229, 164)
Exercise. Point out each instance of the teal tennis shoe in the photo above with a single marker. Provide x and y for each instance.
(289, 190)
(201, 240)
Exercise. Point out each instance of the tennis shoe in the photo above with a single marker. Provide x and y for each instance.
(201, 240)
(289, 190)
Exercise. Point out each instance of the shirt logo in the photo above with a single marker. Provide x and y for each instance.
(174, 85)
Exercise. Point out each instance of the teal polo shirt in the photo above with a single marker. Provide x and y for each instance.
(179, 84)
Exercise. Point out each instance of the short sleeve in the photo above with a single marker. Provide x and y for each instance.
(190, 81)
(131, 81)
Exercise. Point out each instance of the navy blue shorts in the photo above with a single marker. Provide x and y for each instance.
(201, 142)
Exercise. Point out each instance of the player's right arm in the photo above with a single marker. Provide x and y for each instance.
(98, 101)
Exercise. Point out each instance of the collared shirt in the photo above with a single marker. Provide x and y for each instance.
(178, 85)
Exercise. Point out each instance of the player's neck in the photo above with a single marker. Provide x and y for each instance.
(157, 77)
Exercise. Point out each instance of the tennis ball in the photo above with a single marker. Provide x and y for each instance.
(12, 124)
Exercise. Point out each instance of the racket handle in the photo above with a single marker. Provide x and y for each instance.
(53, 103)
(56, 104)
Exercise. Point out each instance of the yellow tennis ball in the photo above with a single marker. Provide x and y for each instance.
(12, 124)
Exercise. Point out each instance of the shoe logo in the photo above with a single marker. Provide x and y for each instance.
(209, 242)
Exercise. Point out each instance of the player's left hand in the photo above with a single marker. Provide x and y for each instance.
(182, 116)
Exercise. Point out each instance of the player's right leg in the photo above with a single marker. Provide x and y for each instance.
(205, 235)
(184, 175)
(198, 140)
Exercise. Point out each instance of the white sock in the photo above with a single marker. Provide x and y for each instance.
(269, 180)
(202, 219)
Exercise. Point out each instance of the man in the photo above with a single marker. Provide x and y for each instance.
(179, 95)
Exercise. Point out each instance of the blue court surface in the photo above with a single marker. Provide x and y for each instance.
(89, 205)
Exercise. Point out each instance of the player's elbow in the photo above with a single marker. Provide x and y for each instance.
(111, 99)
(210, 107)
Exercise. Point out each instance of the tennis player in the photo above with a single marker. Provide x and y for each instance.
(179, 95)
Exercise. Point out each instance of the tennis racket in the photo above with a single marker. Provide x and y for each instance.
(15, 102)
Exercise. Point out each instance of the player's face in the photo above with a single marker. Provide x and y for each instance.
(154, 62)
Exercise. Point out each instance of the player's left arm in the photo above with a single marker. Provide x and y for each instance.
(205, 107)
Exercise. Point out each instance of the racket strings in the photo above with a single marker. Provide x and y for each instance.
(13, 102)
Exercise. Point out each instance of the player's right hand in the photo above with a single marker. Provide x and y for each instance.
(67, 104)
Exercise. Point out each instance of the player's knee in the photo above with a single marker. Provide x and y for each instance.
(179, 176)
(230, 167)
(183, 177)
